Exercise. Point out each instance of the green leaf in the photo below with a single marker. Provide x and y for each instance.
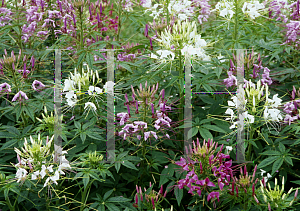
(9, 144)
(90, 59)
(125, 66)
(77, 124)
(296, 182)
(205, 133)
(218, 71)
(118, 199)
(277, 165)
(214, 128)
(267, 161)
(86, 179)
(163, 177)
(178, 194)
(29, 112)
(13, 130)
(117, 166)
(83, 137)
(112, 207)
(288, 159)
(271, 152)
(195, 131)
(26, 129)
(129, 165)
(107, 194)
(281, 147)
(81, 57)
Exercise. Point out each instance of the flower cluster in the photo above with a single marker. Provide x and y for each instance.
(292, 33)
(150, 198)
(35, 155)
(252, 8)
(11, 64)
(205, 169)
(181, 10)
(278, 9)
(276, 198)
(78, 82)
(145, 99)
(231, 81)
(251, 98)
(291, 108)
(182, 36)
(5, 16)
(226, 8)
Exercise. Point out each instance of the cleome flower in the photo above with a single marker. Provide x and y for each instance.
(205, 169)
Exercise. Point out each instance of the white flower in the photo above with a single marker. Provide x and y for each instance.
(69, 85)
(94, 89)
(275, 102)
(53, 178)
(165, 54)
(233, 126)
(272, 114)
(35, 175)
(225, 8)
(45, 169)
(262, 172)
(267, 177)
(252, 8)
(108, 85)
(90, 105)
(63, 166)
(21, 174)
(228, 149)
(230, 112)
(147, 4)
(71, 98)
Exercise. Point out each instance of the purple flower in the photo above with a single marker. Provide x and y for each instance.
(6, 87)
(37, 85)
(205, 182)
(213, 195)
(18, 96)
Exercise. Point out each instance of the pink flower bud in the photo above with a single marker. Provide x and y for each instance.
(269, 206)
(152, 200)
(296, 193)
(253, 190)
(136, 198)
(256, 199)
(137, 189)
(245, 170)
(19, 159)
(30, 166)
(161, 190)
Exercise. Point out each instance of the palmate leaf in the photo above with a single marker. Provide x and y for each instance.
(278, 163)
(267, 161)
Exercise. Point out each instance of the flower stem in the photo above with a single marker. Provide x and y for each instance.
(119, 18)
(236, 22)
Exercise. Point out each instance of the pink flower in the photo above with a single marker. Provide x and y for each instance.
(213, 195)
(206, 182)
(35, 83)
(18, 96)
(6, 87)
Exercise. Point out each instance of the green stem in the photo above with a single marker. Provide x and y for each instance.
(250, 147)
(119, 24)
(84, 196)
(168, 18)
(11, 208)
(144, 120)
(181, 76)
(236, 22)
(81, 35)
